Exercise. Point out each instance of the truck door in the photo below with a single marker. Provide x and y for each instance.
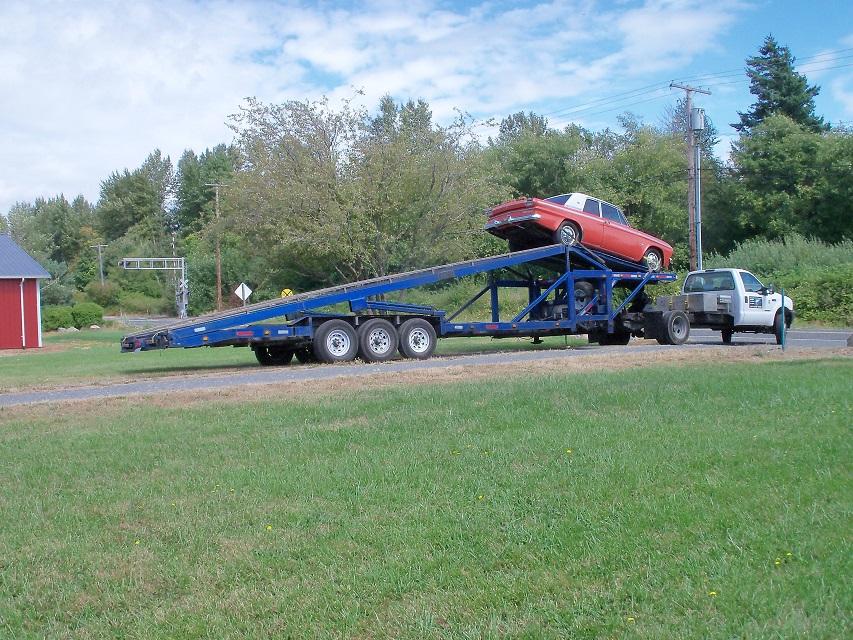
(756, 309)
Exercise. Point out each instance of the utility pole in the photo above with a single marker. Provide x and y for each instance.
(100, 260)
(692, 176)
(217, 186)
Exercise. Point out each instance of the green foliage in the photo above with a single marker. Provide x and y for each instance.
(134, 302)
(194, 199)
(825, 295)
(779, 89)
(53, 317)
(106, 295)
(86, 314)
(55, 293)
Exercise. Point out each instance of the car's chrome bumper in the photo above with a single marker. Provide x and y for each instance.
(492, 224)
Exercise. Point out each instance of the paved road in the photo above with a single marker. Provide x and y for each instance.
(700, 339)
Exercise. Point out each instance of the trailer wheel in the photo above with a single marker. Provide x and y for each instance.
(377, 340)
(618, 338)
(335, 341)
(417, 339)
(272, 355)
(675, 329)
(583, 294)
(726, 334)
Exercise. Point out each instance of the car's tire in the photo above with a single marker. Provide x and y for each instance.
(417, 339)
(568, 234)
(273, 355)
(335, 341)
(653, 259)
(305, 355)
(726, 334)
(377, 340)
(675, 329)
(584, 292)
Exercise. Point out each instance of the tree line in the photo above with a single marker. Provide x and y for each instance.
(315, 194)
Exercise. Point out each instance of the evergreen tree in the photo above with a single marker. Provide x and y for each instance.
(779, 89)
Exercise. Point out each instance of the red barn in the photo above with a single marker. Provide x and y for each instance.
(20, 298)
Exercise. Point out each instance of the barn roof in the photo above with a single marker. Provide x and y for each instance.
(17, 263)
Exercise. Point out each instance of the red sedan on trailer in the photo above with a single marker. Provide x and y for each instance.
(574, 218)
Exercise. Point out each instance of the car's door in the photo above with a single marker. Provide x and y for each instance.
(756, 309)
(619, 238)
(592, 224)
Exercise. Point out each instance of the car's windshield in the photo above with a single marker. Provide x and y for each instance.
(709, 281)
(559, 199)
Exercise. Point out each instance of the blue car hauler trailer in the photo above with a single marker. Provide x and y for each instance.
(570, 290)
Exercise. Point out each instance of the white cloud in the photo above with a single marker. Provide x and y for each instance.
(89, 88)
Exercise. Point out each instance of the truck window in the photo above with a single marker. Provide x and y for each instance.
(591, 207)
(701, 282)
(750, 282)
(612, 213)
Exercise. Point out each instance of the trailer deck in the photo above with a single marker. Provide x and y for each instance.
(570, 291)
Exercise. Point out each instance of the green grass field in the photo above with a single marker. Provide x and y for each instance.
(91, 357)
(652, 503)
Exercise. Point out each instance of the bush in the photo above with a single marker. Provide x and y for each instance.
(140, 303)
(86, 314)
(106, 294)
(825, 295)
(766, 258)
(55, 294)
(53, 317)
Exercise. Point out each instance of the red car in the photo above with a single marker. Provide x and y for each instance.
(574, 218)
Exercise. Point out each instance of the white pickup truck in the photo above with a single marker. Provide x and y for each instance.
(731, 301)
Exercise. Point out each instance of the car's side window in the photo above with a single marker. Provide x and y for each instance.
(591, 207)
(750, 282)
(612, 213)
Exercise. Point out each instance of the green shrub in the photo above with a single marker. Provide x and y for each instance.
(86, 314)
(140, 303)
(825, 295)
(53, 317)
(106, 294)
(55, 294)
(766, 258)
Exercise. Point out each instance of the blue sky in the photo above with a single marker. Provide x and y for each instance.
(92, 87)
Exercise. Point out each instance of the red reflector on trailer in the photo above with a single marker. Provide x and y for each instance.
(491, 327)
(244, 334)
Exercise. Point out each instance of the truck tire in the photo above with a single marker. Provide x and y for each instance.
(273, 355)
(675, 329)
(417, 339)
(335, 341)
(377, 340)
(726, 335)
(777, 327)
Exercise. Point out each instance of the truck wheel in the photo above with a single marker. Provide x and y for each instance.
(417, 339)
(777, 327)
(377, 340)
(273, 356)
(676, 327)
(568, 234)
(335, 341)
(727, 336)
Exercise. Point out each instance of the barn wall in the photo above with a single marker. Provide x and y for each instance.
(10, 314)
(31, 313)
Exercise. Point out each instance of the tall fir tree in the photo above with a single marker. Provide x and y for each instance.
(779, 89)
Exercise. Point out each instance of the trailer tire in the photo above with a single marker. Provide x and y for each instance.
(272, 355)
(726, 335)
(583, 294)
(417, 339)
(335, 341)
(675, 329)
(377, 340)
(305, 355)
(620, 338)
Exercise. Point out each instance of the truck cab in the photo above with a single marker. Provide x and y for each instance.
(735, 301)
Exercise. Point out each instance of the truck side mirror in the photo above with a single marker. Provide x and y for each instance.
(768, 290)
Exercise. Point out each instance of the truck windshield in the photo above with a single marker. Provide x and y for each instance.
(699, 282)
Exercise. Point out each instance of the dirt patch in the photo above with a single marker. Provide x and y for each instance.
(453, 373)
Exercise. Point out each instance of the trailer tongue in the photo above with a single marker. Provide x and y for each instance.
(571, 292)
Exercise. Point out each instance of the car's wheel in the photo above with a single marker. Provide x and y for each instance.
(417, 339)
(727, 336)
(653, 259)
(675, 329)
(377, 340)
(568, 234)
(335, 341)
(305, 355)
(273, 356)
(584, 292)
